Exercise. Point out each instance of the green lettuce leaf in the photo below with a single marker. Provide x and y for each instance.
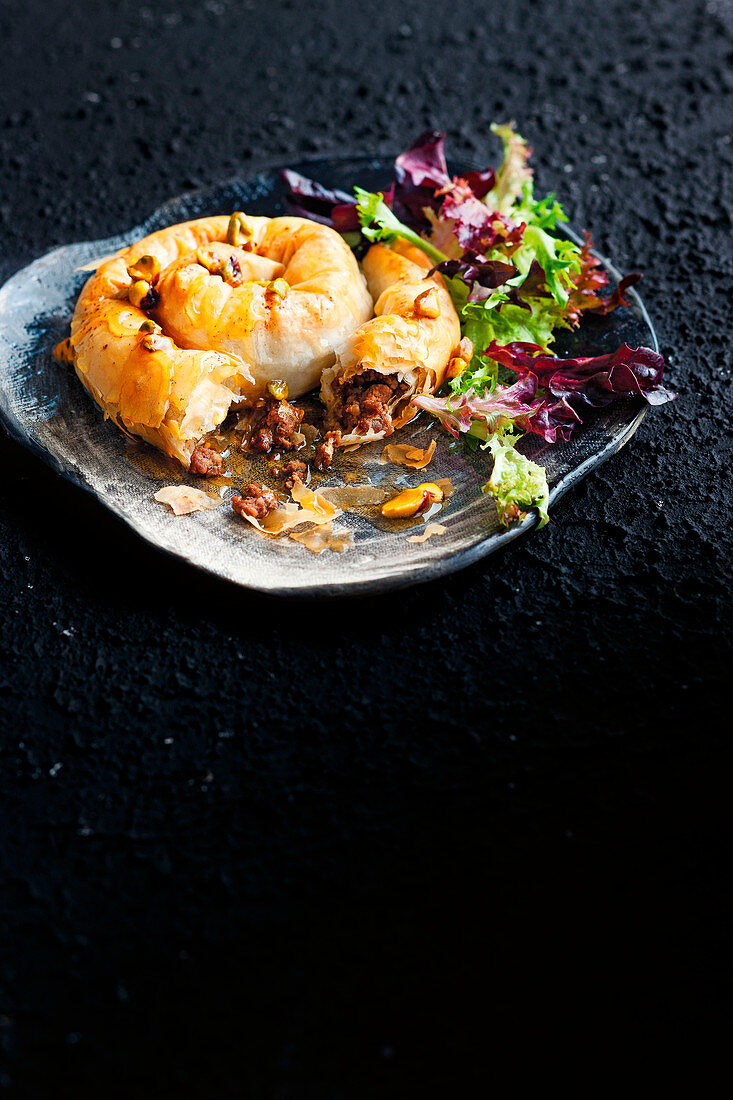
(516, 483)
(543, 213)
(513, 173)
(378, 223)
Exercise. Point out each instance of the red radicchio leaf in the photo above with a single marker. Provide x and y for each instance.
(485, 275)
(344, 217)
(480, 182)
(311, 199)
(553, 419)
(588, 281)
(594, 381)
(605, 305)
(422, 182)
(424, 162)
(307, 198)
(532, 287)
(420, 174)
(477, 227)
(516, 406)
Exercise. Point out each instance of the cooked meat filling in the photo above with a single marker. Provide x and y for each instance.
(276, 428)
(256, 501)
(325, 449)
(362, 402)
(292, 471)
(206, 462)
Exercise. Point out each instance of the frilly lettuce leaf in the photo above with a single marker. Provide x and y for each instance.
(589, 280)
(499, 408)
(516, 483)
(514, 171)
(544, 213)
(479, 415)
(378, 223)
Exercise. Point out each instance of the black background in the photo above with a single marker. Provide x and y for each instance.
(252, 847)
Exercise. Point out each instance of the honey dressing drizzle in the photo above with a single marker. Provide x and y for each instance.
(325, 538)
(355, 494)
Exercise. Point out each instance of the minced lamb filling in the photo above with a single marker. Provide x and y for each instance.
(206, 462)
(362, 402)
(256, 501)
(276, 427)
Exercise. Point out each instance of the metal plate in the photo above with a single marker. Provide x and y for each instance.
(43, 405)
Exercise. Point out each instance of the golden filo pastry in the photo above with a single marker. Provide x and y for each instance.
(175, 330)
(404, 350)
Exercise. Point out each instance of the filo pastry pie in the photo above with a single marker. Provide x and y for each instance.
(173, 331)
(196, 319)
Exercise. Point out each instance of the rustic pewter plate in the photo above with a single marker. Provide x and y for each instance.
(43, 405)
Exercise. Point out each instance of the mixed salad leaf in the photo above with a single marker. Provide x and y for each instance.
(516, 483)
(514, 281)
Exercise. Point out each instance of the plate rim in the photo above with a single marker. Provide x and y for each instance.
(358, 586)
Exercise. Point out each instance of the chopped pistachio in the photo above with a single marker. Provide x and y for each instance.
(413, 502)
(279, 287)
(138, 291)
(149, 325)
(227, 269)
(154, 341)
(427, 303)
(146, 267)
(278, 388)
(238, 231)
(232, 271)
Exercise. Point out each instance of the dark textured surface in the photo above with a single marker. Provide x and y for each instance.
(250, 849)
